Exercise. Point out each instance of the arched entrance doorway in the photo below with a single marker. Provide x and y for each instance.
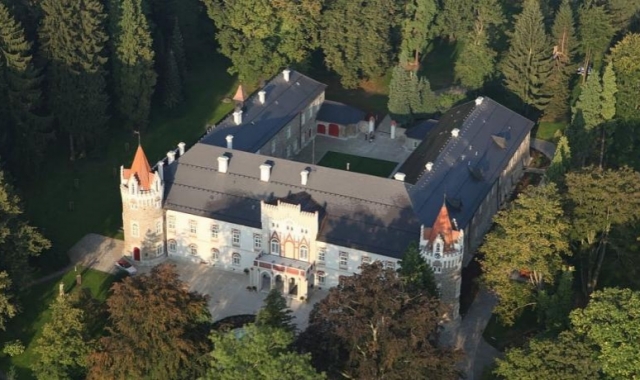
(265, 282)
(322, 129)
(293, 287)
(279, 283)
(136, 254)
(334, 130)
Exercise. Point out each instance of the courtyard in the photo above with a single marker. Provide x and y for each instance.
(365, 165)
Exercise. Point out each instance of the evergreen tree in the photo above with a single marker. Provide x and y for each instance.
(26, 130)
(589, 103)
(134, 74)
(63, 346)
(625, 57)
(609, 90)
(455, 18)
(400, 92)
(73, 40)
(564, 50)
(475, 62)
(176, 45)
(595, 36)
(425, 101)
(416, 30)
(554, 307)
(416, 273)
(275, 313)
(561, 161)
(357, 38)
(527, 64)
(172, 93)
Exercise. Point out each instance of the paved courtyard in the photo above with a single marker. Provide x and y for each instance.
(227, 291)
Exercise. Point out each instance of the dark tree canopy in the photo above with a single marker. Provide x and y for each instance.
(275, 312)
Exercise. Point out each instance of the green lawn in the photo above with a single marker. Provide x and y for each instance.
(547, 130)
(502, 337)
(34, 313)
(379, 168)
(70, 199)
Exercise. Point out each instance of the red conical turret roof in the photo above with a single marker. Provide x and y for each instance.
(240, 95)
(442, 226)
(141, 169)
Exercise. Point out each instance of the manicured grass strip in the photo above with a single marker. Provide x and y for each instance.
(35, 313)
(547, 130)
(379, 168)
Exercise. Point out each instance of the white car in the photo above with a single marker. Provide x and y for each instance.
(126, 266)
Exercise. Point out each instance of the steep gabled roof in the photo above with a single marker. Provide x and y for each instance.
(443, 227)
(141, 169)
(240, 95)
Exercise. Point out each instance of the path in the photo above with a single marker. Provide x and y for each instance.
(478, 353)
(544, 147)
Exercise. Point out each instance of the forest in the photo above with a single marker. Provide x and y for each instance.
(81, 79)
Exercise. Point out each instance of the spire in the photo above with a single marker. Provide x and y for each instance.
(240, 95)
(442, 226)
(141, 169)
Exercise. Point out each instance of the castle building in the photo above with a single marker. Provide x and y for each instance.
(235, 200)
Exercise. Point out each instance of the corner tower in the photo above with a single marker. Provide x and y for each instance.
(142, 191)
(442, 246)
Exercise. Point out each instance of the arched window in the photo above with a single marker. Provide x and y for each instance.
(275, 247)
(235, 259)
(173, 245)
(304, 252)
(215, 255)
(193, 249)
(135, 230)
(321, 277)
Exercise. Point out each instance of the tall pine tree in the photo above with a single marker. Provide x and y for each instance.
(26, 130)
(596, 32)
(564, 51)
(176, 44)
(625, 57)
(409, 95)
(73, 38)
(172, 93)
(134, 74)
(416, 30)
(527, 65)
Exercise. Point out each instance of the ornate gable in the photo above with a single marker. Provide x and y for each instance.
(443, 228)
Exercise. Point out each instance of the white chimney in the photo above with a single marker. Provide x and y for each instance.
(223, 164)
(479, 100)
(181, 146)
(393, 129)
(304, 177)
(429, 166)
(171, 156)
(455, 132)
(160, 169)
(399, 176)
(237, 116)
(229, 141)
(265, 172)
(262, 95)
(286, 73)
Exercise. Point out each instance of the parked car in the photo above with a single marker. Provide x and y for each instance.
(125, 265)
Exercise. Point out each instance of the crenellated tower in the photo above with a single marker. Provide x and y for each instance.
(142, 191)
(442, 246)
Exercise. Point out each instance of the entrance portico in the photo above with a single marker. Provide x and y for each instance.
(292, 277)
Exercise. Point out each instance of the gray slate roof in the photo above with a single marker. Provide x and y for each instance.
(465, 168)
(360, 211)
(420, 130)
(260, 122)
(339, 113)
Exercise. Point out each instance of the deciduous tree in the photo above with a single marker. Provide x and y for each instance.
(258, 353)
(371, 327)
(8, 309)
(527, 65)
(157, 329)
(523, 252)
(275, 313)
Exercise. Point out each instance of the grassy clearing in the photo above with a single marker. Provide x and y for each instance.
(379, 168)
(547, 130)
(502, 337)
(70, 199)
(35, 312)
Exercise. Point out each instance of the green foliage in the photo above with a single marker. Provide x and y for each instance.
(157, 329)
(610, 321)
(561, 161)
(448, 99)
(7, 308)
(554, 307)
(72, 39)
(357, 38)
(63, 346)
(409, 95)
(13, 348)
(599, 200)
(261, 37)
(258, 353)
(176, 45)
(527, 65)
(595, 35)
(530, 236)
(134, 75)
(172, 93)
(625, 57)
(455, 18)
(24, 131)
(567, 357)
(417, 30)
(609, 89)
(475, 63)
(589, 104)
(416, 273)
(275, 313)
(371, 327)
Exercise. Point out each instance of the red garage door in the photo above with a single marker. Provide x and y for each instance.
(322, 129)
(334, 130)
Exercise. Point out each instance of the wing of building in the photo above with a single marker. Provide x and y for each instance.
(236, 201)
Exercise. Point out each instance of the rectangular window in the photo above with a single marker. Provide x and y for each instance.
(159, 227)
(295, 146)
(135, 229)
(389, 265)
(304, 118)
(171, 222)
(289, 132)
(235, 259)
(344, 260)
(257, 242)
(321, 278)
(273, 146)
(235, 238)
(159, 250)
(366, 260)
(193, 227)
(214, 231)
(322, 253)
